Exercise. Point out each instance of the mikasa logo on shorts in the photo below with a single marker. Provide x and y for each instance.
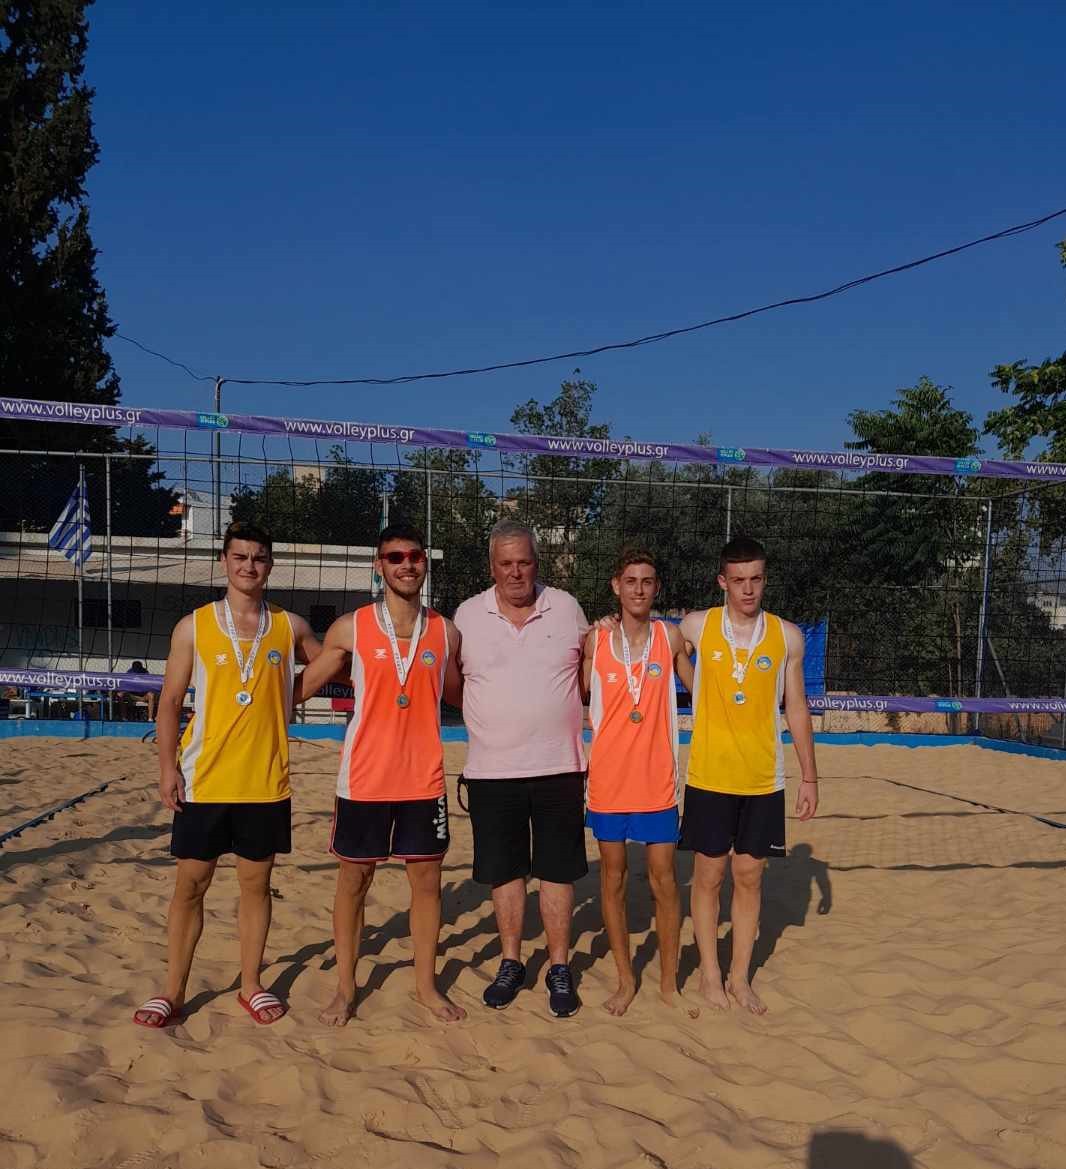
(440, 820)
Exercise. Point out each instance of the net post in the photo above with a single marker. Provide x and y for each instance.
(216, 464)
(982, 618)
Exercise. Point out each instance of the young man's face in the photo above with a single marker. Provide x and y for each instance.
(402, 565)
(247, 565)
(514, 569)
(635, 587)
(744, 585)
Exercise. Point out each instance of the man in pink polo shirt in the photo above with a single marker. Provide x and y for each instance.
(525, 770)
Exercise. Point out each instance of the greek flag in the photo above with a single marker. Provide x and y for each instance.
(70, 533)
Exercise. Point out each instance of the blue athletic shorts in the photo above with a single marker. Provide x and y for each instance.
(643, 827)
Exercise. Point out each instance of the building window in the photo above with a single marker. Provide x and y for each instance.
(124, 614)
(322, 617)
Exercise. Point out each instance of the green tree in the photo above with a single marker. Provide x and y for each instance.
(457, 520)
(338, 503)
(913, 557)
(558, 495)
(1036, 414)
(54, 317)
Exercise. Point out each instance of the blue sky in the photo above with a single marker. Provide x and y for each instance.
(376, 189)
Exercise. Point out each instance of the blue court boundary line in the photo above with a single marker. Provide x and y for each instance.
(72, 729)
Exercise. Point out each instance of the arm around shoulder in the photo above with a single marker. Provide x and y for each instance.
(328, 661)
(453, 673)
(682, 662)
(307, 646)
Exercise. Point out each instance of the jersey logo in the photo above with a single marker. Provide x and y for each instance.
(716, 655)
(763, 662)
(221, 659)
(429, 658)
(654, 669)
(274, 657)
(379, 655)
(612, 677)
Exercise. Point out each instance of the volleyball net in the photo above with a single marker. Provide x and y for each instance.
(939, 584)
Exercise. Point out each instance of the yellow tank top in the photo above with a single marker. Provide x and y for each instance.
(232, 753)
(736, 745)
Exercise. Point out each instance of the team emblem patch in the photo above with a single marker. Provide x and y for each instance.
(429, 658)
(654, 669)
(612, 677)
(379, 655)
(221, 659)
(763, 662)
(274, 657)
(716, 655)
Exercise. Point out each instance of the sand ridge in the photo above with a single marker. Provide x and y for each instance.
(910, 956)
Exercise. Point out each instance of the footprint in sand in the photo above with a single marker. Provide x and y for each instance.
(529, 1106)
(434, 1101)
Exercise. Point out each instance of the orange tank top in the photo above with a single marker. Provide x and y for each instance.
(633, 765)
(392, 751)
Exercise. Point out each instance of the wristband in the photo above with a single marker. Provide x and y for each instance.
(814, 781)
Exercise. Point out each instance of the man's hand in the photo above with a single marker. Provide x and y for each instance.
(806, 799)
(611, 622)
(172, 788)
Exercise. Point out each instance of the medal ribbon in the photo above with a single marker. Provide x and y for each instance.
(245, 666)
(635, 687)
(403, 665)
(740, 670)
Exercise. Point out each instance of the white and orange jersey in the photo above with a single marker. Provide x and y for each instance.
(633, 765)
(232, 753)
(393, 752)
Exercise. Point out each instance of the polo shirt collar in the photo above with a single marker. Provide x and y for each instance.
(542, 602)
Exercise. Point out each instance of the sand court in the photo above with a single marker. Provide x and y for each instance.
(911, 956)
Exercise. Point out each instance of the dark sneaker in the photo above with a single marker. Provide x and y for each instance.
(509, 980)
(562, 998)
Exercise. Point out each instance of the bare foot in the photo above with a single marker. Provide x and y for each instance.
(741, 990)
(440, 1007)
(714, 993)
(341, 1008)
(676, 1001)
(618, 1003)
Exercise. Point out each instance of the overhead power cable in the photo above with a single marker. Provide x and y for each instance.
(651, 338)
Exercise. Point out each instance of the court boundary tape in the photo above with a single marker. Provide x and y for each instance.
(973, 803)
(44, 817)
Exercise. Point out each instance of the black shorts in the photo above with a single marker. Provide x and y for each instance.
(367, 831)
(715, 823)
(505, 813)
(203, 832)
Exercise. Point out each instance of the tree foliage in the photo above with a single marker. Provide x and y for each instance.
(54, 316)
(1037, 414)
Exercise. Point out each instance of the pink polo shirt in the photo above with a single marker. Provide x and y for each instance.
(521, 700)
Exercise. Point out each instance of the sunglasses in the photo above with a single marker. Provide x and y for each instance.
(415, 555)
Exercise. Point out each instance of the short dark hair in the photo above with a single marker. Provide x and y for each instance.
(253, 533)
(630, 556)
(740, 550)
(401, 530)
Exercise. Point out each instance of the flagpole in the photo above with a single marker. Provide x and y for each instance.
(110, 618)
(81, 597)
